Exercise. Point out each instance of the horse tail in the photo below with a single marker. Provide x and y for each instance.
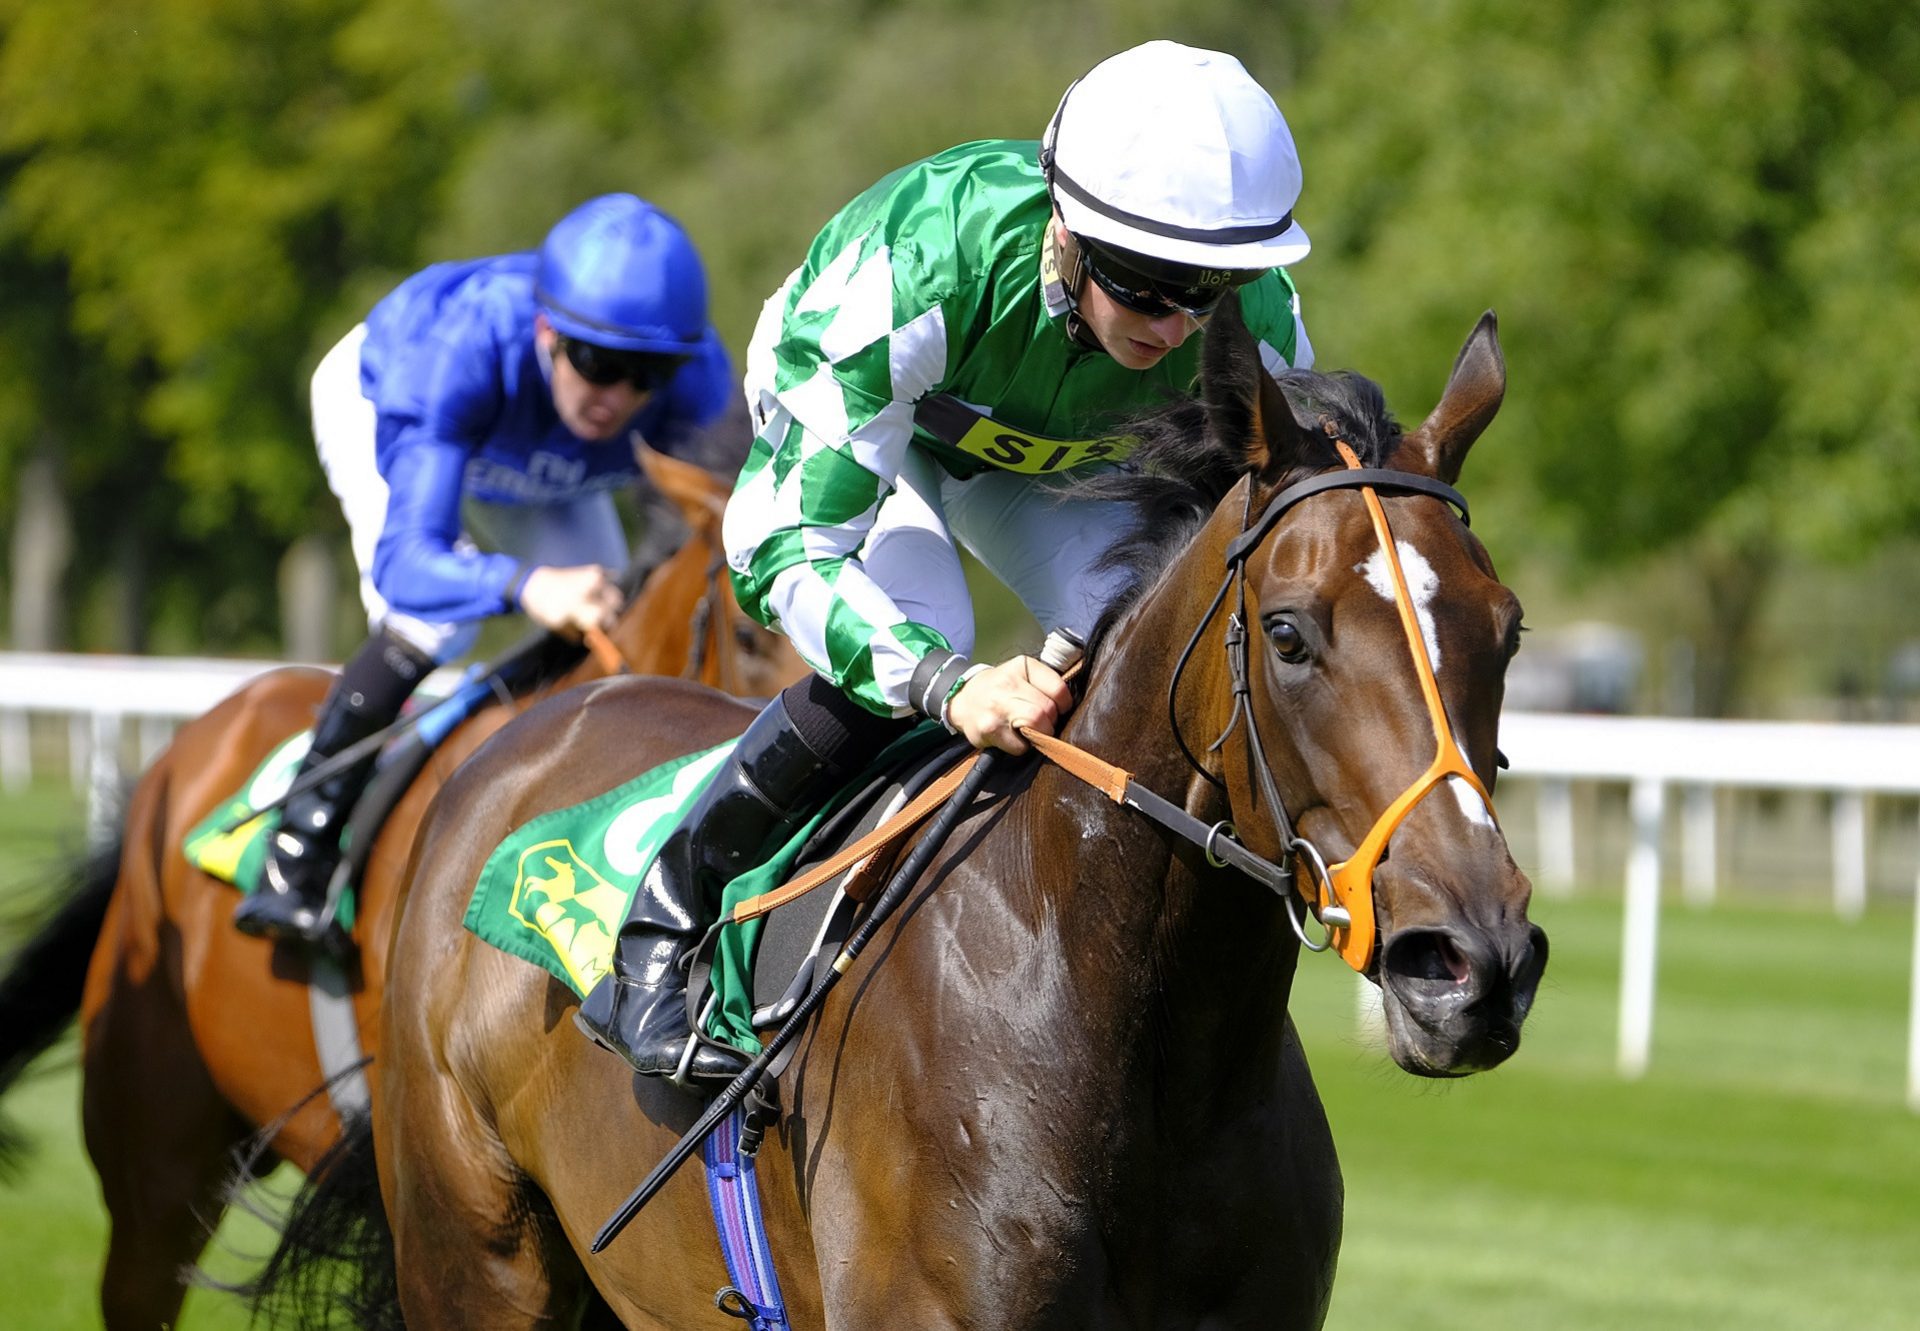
(335, 1257)
(40, 991)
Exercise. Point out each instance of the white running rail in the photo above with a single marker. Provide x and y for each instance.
(1655, 757)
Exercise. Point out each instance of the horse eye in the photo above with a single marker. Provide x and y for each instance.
(1513, 640)
(1287, 640)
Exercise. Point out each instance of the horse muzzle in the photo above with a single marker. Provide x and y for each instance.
(1456, 997)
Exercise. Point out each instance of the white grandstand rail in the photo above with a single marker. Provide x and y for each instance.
(1650, 754)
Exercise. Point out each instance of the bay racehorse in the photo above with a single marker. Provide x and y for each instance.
(1061, 1088)
(194, 1035)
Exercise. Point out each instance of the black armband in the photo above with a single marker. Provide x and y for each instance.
(933, 679)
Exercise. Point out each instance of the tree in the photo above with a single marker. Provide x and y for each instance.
(1696, 222)
(199, 179)
(203, 195)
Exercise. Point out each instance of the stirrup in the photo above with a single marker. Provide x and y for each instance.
(325, 933)
(678, 1077)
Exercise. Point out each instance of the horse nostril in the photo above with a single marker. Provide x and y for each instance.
(1429, 955)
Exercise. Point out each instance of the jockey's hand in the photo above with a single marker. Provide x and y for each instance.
(571, 600)
(992, 706)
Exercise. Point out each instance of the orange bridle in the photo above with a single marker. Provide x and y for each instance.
(1347, 888)
(1341, 897)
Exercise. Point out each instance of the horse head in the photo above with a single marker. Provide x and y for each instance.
(1376, 638)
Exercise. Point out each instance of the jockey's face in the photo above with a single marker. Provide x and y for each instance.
(594, 412)
(1137, 341)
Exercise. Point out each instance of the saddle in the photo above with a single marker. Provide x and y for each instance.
(801, 937)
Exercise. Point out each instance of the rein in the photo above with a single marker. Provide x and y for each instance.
(712, 627)
(606, 652)
(1341, 895)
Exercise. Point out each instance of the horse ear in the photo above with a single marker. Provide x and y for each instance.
(1247, 414)
(1474, 390)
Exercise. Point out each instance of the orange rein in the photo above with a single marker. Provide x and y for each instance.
(606, 653)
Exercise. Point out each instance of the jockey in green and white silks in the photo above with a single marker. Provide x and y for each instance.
(933, 296)
(959, 339)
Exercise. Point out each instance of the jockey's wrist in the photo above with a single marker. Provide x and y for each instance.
(517, 585)
(934, 680)
(946, 707)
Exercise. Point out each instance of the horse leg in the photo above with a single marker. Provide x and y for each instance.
(475, 1245)
(161, 1140)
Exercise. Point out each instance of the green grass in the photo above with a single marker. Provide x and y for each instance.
(1764, 1173)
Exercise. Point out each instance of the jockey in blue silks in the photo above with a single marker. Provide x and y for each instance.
(474, 429)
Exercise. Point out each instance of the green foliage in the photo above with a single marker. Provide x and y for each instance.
(1694, 218)
(1694, 221)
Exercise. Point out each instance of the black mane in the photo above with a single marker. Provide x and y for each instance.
(1179, 470)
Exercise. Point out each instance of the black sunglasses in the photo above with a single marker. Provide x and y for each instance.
(603, 366)
(1174, 287)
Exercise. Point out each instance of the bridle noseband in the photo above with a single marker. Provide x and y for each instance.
(1340, 896)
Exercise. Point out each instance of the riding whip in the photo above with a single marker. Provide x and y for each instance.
(1060, 651)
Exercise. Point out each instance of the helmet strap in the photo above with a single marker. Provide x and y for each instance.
(1063, 288)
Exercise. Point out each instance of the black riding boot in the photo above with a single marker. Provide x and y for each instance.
(303, 853)
(790, 758)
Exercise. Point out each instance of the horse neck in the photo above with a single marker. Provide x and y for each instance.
(654, 634)
(1213, 998)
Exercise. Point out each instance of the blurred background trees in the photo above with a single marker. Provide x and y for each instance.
(1696, 219)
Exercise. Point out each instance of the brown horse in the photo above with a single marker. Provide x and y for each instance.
(195, 1035)
(1061, 1088)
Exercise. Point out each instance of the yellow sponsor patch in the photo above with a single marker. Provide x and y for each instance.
(1035, 454)
(559, 896)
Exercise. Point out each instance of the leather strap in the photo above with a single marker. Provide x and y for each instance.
(606, 653)
(1354, 477)
(883, 838)
(1103, 776)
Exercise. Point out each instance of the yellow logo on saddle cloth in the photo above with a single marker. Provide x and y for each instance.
(231, 846)
(560, 897)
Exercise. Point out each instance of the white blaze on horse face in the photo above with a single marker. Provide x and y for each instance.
(1423, 584)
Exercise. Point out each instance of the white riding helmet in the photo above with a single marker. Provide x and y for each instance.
(1176, 153)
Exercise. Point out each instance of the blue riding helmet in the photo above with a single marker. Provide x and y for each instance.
(617, 272)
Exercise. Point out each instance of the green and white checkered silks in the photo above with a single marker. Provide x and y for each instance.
(859, 334)
(845, 379)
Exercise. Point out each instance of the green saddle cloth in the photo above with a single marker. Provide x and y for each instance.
(556, 890)
(238, 854)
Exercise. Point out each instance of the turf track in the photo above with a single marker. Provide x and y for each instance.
(1763, 1175)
